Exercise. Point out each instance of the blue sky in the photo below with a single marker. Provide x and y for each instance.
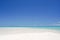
(29, 12)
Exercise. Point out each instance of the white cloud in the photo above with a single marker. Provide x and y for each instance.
(59, 22)
(56, 24)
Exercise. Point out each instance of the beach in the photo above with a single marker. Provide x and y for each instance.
(28, 34)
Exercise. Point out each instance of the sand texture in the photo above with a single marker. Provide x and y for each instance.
(28, 34)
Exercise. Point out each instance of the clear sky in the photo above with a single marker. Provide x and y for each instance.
(29, 12)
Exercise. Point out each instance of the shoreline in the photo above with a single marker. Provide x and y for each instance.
(25, 30)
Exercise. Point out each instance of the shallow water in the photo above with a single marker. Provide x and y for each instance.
(38, 27)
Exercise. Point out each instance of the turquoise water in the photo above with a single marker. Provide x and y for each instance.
(41, 27)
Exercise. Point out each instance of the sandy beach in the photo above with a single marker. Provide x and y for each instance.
(28, 34)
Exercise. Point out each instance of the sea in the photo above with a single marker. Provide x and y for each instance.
(39, 27)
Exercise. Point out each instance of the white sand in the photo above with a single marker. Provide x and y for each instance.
(28, 34)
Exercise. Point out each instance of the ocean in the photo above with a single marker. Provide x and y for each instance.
(38, 27)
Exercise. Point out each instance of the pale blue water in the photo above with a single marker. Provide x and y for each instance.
(41, 27)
